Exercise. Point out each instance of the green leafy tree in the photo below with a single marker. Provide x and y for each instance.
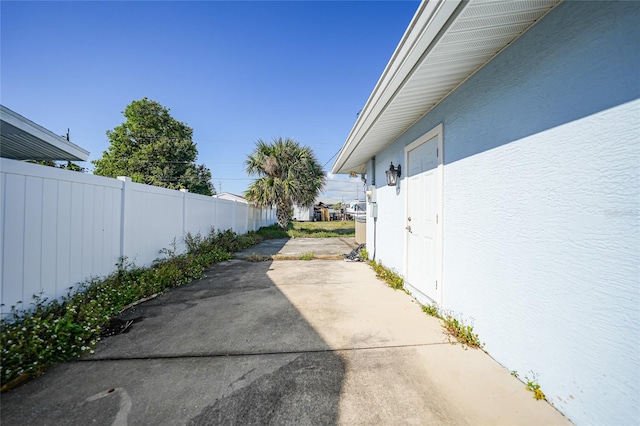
(69, 166)
(288, 174)
(152, 147)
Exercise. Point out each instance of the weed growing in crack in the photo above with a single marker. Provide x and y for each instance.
(462, 332)
(257, 257)
(533, 386)
(307, 256)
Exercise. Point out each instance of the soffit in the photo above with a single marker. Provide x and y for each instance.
(456, 40)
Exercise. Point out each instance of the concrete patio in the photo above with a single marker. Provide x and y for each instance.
(279, 342)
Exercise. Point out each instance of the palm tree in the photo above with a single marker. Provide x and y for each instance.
(288, 174)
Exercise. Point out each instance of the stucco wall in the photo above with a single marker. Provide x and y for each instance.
(542, 207)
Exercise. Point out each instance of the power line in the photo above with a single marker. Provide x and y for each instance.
(332, 157)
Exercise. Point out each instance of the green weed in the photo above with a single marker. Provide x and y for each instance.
(533, 386)
(257, 257)
(392, 279)
(431, 310)
(307, 256)
(463, 333)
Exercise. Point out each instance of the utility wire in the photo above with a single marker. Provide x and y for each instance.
(332, 157)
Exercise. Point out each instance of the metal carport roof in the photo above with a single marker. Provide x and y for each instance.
(22, 139)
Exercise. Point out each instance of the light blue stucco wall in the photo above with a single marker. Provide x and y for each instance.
(542, 207)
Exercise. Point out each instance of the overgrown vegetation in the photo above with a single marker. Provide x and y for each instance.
(335, 229)
(392, 279)
(454, 326)
(462, 332)
(61, 330)
(431, 310)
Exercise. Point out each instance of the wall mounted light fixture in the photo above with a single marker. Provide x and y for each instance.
(393, 174)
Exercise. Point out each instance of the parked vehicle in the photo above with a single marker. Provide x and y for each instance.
(356, 209)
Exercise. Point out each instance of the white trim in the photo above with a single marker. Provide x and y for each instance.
(437, 53)
(424, 28)
(436, 132)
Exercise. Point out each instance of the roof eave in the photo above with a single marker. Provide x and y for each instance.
(25, 131)
(430, 18)
(447, 42)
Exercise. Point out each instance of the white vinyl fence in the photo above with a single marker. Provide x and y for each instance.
(61, 227)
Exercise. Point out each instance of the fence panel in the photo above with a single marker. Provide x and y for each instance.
(60, 228)
(200, 214)
(153, 218)
(56, 230)
(224, 214)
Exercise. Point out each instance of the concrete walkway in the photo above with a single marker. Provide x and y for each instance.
(279, 342)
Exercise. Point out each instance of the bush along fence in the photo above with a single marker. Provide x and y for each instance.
(53, 331)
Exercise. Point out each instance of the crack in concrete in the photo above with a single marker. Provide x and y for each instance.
(252, 354)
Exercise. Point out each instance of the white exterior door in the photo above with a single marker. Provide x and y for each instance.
(424, 217)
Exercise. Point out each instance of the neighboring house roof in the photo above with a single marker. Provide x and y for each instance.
(230, 196)
(445, 43)
(328, 201)
(22, 139)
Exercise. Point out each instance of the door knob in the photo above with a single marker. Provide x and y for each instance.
(409, 218)
(408, 228)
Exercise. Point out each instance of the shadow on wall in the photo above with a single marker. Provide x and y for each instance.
(227, 349)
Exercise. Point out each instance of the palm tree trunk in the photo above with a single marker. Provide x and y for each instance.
(283, 214)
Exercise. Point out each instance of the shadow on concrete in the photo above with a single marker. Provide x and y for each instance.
(227, 349)
(265, 248)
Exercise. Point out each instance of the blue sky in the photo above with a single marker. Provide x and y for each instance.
(235, 72)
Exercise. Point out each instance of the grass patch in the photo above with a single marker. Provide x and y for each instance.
(60, 330)
(335, 229)
(272, 232)
(307, 256)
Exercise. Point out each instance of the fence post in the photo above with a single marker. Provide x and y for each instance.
(214, 226)
(184, 212)
(123, 215)
(234, 225)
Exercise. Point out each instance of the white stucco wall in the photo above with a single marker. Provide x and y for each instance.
(542, 207)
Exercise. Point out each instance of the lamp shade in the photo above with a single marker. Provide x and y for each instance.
(393, 174)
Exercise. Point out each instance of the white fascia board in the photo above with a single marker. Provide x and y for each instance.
(428, 21)
(41, 133)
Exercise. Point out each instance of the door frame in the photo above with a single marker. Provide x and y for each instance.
(436, 132)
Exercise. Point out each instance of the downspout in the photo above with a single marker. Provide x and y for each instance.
(375, 217)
